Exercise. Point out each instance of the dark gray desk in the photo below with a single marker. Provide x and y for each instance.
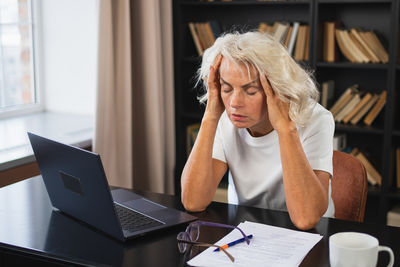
(31, 232)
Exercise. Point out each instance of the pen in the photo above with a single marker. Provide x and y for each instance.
(234, 242)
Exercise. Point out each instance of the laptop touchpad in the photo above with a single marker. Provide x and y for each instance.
(143, 205)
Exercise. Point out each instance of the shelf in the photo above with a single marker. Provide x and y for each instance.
(354, 1)
(246, 2)
(358, 129)
(350, 65)
(379, 15)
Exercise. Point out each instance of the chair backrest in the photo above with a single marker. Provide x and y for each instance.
(349, 187)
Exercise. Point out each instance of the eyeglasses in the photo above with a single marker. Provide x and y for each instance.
(191, 235)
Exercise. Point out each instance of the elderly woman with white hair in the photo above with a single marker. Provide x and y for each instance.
(263, 122)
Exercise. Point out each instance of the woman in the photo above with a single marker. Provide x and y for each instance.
(263, 122)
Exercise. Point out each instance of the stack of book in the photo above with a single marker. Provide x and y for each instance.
(294, 36)
(204, 34)
(373, 176)
(357, 45)
(353, 105)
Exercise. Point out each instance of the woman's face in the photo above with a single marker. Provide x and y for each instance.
(244, 98)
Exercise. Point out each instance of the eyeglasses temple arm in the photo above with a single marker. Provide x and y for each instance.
(226, 226)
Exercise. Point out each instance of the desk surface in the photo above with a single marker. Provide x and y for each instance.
(30, 226)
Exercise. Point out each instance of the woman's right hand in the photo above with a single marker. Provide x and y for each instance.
(215, 106)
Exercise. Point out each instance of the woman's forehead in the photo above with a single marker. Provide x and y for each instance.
(241, 70)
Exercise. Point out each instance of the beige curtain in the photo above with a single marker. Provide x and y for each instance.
(135, 109)
(153, 97)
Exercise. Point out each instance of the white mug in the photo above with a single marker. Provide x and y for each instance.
(351, 249)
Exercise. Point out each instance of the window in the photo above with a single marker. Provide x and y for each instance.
(17, 79)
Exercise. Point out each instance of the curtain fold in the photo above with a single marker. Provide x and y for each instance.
(153, 114)
(135, 132)
(113, 126)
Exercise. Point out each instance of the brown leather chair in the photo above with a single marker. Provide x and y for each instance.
(349, 187)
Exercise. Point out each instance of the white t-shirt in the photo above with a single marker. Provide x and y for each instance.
(255, 169)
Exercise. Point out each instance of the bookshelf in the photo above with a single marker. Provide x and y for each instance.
(380, 140)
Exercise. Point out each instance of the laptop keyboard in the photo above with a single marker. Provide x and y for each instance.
(134, 221)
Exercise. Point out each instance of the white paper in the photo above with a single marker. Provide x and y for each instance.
(270, 246)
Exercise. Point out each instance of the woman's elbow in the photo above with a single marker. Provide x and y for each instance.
(192, 206)
(306, 223)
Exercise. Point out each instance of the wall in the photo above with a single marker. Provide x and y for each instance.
(68, 52)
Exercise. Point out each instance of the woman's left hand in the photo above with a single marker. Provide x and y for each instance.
(278, 111)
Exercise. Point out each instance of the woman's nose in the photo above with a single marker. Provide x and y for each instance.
(237, 100)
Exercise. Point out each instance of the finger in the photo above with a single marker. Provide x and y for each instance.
(266, 85)
(213, 75)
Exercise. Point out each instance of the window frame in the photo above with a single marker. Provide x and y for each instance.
(36, 56)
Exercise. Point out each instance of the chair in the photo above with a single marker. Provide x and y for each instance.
(349, 187)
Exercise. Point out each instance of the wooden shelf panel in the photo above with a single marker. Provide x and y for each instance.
(354, 1)
(247, 3)
(350, 65)
(358, 129)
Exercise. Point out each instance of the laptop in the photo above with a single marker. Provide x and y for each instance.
(77, 185)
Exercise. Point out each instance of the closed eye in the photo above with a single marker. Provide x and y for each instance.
(252, 90)
(226, 88)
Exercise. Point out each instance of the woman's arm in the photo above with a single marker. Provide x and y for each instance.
(202, 174)
(306, 190)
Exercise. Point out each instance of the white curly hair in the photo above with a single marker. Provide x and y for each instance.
(261, 52)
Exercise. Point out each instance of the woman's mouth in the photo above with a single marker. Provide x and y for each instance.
(237, 117)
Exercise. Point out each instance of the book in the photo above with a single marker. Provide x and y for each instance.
(327, 93)
(357, 108)
(357, 54)
(343, 99)
(288, 36)
(382, 53)
(371, 116)
(300, 43)
(398, 167)
(348, 107)
(360, 47)
(293, 37)
(373, 175)
(330, 53)
(264, 27)
(280, 31)
(307, 44)
(210, 33)
(196, 39)
(201, 35)
(366, 49)
(342, 47)
(364, 109)
(191, 134)
(375, 45)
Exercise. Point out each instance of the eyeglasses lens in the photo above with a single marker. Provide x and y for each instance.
(193, 230)
(182, 246)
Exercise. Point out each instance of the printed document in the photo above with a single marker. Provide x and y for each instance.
(270, 246)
